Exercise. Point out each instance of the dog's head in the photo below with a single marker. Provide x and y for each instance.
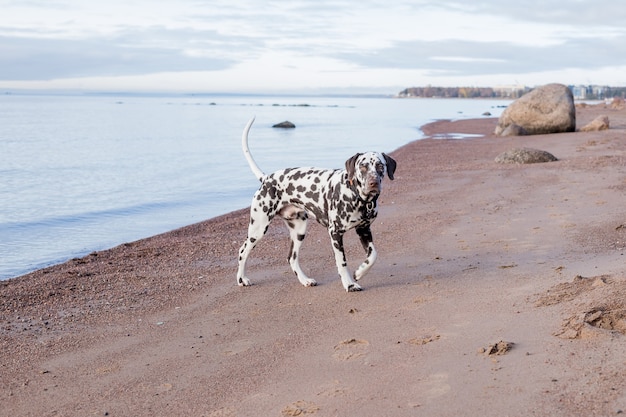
(366, 172)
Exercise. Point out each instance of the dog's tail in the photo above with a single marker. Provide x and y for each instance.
(246, 152)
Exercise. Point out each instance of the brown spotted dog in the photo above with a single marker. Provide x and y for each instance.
(338, 199)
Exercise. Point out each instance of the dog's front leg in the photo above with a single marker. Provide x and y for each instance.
(365, 234)
(348, 283)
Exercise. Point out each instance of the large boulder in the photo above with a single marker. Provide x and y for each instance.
(546, 109)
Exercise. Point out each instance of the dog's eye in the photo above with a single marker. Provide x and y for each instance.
(380, 168)
(363, 167)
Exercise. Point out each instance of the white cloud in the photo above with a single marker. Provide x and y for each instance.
(216, 45)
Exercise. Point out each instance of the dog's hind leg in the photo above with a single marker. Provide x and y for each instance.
(297, 223)
(259, 222)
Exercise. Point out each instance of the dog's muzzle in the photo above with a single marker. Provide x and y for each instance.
(372, 188)
(374, 185)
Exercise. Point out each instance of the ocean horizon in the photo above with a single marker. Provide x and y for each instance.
(87, 172)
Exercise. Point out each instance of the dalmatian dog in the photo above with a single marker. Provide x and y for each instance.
(340, 200)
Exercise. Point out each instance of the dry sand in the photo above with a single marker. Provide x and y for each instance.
(500, 290)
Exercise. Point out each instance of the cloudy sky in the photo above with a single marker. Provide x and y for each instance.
(308, 45)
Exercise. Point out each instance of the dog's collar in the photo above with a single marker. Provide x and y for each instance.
(370, 209)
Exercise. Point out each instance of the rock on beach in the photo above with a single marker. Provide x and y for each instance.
(546, 109)
(597, 124)
(524, 156)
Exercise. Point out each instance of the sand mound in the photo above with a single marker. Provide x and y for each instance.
(599, 305)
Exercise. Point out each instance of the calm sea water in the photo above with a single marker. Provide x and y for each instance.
(85, 173)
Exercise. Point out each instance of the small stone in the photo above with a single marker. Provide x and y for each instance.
(499, 348)
(597, 124)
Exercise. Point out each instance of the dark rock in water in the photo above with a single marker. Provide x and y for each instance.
(285, 125)
(546, 109)
(524, 156)
(487, 113)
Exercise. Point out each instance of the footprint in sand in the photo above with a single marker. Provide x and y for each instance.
(424, 339)
(300, 408)
(223, 412)
(351, 349)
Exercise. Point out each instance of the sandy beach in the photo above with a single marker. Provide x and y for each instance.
(500, 290)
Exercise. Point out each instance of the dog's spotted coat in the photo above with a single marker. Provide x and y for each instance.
(338, 199)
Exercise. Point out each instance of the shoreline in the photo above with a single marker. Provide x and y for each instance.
(470, 253)
(38, 265)
(47, 237)
(53, 263)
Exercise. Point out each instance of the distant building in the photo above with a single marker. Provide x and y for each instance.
(579, 92)
(595, 92)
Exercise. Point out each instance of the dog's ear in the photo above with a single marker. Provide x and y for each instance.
(350, 168)
(391, 165)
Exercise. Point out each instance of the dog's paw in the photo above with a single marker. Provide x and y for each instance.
(309, 282)
(244, 282)
(361, 271)
(354, 287)
(358, 274)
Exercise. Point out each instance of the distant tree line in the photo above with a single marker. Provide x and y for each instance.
(463, 92)
(590, 92)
